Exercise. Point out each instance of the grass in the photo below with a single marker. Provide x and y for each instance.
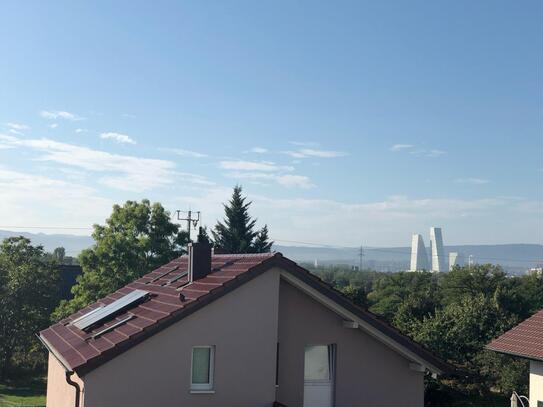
(18, 394)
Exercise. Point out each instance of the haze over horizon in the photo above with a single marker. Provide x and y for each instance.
(354, 124)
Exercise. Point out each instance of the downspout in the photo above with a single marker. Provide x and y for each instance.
(74, 384)
(69, 373)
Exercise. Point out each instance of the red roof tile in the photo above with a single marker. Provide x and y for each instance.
(171, 301)
(78, 348)
(525, 340)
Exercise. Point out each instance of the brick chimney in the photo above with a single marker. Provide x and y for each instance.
(199, 260)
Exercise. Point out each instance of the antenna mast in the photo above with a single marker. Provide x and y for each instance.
(191, 222)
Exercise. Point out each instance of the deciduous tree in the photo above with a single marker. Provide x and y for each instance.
(137, 238)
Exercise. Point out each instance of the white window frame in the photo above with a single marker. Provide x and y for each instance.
(203, 387)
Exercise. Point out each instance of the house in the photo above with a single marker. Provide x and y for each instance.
(526, 341)
(232, 330)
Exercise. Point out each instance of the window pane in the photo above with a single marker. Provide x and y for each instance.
(200, 365)
(316, 363)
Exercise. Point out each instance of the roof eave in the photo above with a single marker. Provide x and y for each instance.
(515, 354)
(413, 351)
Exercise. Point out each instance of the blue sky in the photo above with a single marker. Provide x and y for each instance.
(346, 122)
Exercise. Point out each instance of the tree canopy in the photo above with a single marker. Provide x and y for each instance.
(137, 238)
(236, 233)
(28, 294)
(455, 315)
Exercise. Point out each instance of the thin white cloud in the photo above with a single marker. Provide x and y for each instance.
(17, 126)
(26, 197)
(472, 181)
(53, 125)
(304, 143)
(322, 153)
(420, 152)
(285, 180)
(185, 153)
(258, 150)
(128, 115)
(294, 181)
(435, 153)
(118, 137)
(60, 114)
(241, 165)
(311, 152)
(123, 172)
(294, 154)
(78, 131)
(401, 147)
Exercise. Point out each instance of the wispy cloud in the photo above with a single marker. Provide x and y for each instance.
(17, 189)
(241, 165)
(304, 143)
(17, 126)
(118, 137)
(286, 180)
(123, 172)
(420, 152)
(258, 150)
(53, 125)
(184, 153)
(129, 116)
(60, 114)
(311, 152)
(78, 131)
(291, 181)
(400, 147)
(471, 181)
(434, 153)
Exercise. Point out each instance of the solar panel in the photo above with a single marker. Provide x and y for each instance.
(98, 315)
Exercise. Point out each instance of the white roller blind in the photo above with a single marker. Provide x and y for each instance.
(317, 363)
(201, 358)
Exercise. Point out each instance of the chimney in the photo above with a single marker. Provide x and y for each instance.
(199, 260)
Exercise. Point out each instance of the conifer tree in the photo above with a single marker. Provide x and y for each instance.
(236, 233)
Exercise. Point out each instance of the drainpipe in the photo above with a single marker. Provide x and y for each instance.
(69, 373)
(75, 385)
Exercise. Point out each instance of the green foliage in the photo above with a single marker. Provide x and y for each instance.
(28, 294)
(455, 315)
(262, 243)
(393, 289)
(25, 392)
(459, 331)
(137, 238)
(236, 233)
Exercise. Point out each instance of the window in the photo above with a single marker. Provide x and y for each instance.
(318, 363)
(202, 368)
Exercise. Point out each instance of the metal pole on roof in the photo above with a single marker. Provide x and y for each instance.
(191, 222)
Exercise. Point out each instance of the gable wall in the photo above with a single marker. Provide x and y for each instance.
(59, 392)
(368, 373)
(243, 327)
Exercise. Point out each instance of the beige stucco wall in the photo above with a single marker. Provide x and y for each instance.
(59, 392)
(368, 373)
(536, 383)
(243, 327)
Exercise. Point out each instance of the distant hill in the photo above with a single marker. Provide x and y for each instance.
(72, 243)
(515, 258)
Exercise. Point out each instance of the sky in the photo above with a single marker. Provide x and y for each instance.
(347, 123)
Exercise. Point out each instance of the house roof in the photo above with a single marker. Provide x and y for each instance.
(524, 340)
(172, 299)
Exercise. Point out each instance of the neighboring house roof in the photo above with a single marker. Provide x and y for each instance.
(172, 299)
(525, 339)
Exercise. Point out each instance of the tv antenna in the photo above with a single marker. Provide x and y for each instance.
(192, 222)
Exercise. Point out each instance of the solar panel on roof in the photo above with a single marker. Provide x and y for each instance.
(98, 315)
